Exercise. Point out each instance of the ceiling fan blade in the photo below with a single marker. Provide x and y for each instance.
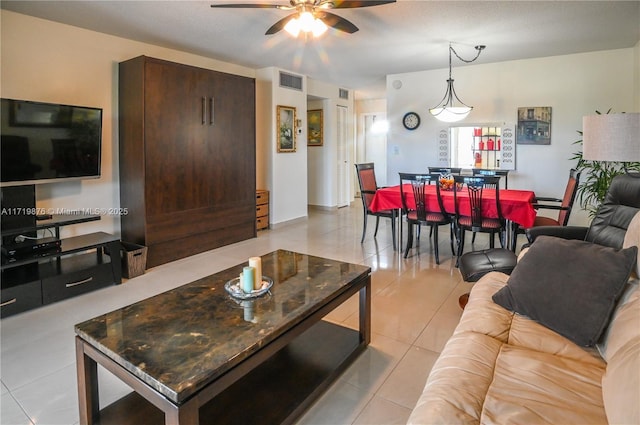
(251, 6)
(280, 24)
(347, 4)
(337, 22)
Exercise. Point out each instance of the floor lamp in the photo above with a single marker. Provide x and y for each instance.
(612, 137)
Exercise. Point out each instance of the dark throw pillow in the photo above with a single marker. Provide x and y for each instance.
(569, 286)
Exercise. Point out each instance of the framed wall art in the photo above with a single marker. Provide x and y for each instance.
(534, 126)
(286, 132)
(315, 136)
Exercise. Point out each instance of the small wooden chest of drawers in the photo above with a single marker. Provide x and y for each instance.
(262, 209)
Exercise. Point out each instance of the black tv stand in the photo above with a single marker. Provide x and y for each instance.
(79, 266)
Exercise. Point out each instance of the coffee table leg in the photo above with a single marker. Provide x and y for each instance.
(365, 312)
(187, 414)
(87, 371)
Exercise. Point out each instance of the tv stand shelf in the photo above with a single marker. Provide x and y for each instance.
(55, 222)
(82, 264)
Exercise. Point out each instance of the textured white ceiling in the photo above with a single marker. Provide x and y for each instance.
(409, 35)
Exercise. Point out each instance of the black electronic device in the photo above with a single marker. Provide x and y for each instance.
(30, 247)
(47, 142)
(18, 206)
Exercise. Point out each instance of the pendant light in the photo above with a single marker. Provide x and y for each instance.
(446, 110)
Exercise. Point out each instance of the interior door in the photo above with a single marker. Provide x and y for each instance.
(344, 160)
(175, 139)
(230, 120)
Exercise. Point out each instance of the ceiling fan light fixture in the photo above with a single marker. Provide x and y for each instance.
(293, 27)
(306, 22)
(309, 16)
(318, 28)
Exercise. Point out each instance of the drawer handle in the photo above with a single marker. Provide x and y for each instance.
(80, 282)
(6, 303)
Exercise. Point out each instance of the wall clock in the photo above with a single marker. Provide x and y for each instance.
(411, 120)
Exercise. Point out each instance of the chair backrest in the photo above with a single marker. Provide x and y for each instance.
(492, 173)
(620, 205)
(475, 185)
(367, 181)
(569, 197)
(445, 170)
(418, 183)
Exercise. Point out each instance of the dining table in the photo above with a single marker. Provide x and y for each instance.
(517, 206)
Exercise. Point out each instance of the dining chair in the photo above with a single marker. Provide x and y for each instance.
(473, 219)
(445, 170)
(422, 214)
(563, 206)
(492, 172)
(368, 187)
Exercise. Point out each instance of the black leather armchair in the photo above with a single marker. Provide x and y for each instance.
(610, 224)
(607, 228)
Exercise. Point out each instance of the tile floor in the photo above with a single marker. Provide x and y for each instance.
(414, 311)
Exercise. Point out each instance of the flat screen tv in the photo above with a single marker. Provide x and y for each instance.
(47, 142)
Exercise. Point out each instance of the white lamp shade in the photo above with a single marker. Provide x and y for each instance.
(611, 137)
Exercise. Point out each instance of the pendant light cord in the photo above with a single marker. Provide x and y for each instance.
(479, 48)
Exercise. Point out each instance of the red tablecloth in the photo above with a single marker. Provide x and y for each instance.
(516, 205)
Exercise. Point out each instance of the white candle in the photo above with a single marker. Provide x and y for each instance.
(256, 263)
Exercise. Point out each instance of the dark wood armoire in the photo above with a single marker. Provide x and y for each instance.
(187, 158)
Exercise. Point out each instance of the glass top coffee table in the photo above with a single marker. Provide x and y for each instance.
(197, 355)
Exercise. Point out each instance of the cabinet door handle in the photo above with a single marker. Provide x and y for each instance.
(204, 110)
(212, 114)
(80, 282)
(6, 303)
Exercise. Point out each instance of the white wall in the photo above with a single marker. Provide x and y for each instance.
(636, 79)
(572, 85)
(286, 171)
(47, 61)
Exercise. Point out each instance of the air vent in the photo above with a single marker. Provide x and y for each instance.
(290, 81)
(343, 94)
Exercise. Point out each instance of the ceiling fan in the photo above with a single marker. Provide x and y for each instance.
(310, 15)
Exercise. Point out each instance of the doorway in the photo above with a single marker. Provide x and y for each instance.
(375, 144)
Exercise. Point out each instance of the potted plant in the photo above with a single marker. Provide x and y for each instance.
(596, 177)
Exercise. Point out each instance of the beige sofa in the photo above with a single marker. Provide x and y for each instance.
(500, 367)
